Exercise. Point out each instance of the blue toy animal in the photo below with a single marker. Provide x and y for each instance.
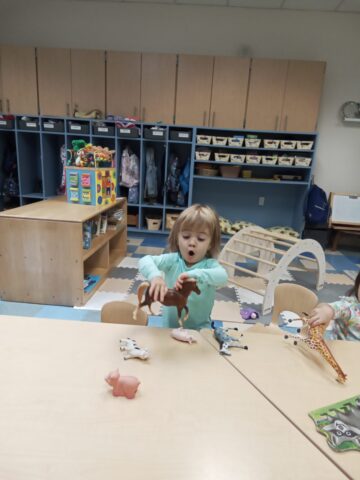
(226, 341)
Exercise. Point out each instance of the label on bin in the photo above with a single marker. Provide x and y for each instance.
(183, 135)
(48, 125)
(124, 130)
(75, 127)
(159, 134)
(2, 122)
(103, 129)
(30, 124)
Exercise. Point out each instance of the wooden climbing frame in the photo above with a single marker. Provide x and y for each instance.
(273, 252)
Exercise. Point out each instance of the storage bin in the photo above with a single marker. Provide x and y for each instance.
(153, 223)
(53, 126)
(283, 160)
(252, 142)
(222, 157)
(246, 173)
(6, 124)
(181, 135)
(219, 140)
(29, 124)
(230, 171)
(254, 159)
(75, 127)
(133, 132)
(302, 161)
(104, 130)
(236, 141)
(132, 219)
(202, 155)
(154, 133)
(304, 145)
(203, 139)
(236, 158)
(171, 219)
(207, 171)
(269, 159)
(288, 144)
(271, 143)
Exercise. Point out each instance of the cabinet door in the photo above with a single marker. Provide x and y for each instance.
(302, 95)
(88, 80)
(2, 103)
(266, 94)
(123, 71)
(54, 81)
(19, 80)
(229, 92)
(193, 93)
(158, 76)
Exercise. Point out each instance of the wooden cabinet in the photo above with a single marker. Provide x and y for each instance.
(88, 80)
(123, 74)
(54, 81)
(18, 67)
(193, 93)
(229, 92)
(41, 249)
(158, 77)
(266, 93)
(302, 96)
(284, 95)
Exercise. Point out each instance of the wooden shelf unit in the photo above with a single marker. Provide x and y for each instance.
(41, 251)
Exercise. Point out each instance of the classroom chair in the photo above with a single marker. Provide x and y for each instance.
(122, 312)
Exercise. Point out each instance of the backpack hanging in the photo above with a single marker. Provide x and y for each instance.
(317, 206)
(151, 185)
(130, 169)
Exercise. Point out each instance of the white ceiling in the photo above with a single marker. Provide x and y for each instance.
(341, 6)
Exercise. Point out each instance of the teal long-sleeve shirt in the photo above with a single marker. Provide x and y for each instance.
(209, 275)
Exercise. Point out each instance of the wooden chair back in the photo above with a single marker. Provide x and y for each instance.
(122, 312)
(293, 298)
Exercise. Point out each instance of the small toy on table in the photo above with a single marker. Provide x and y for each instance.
(123, 386)
(249, 314)
(183, 335)
(226, 341)
(173, 298)
(132, 350)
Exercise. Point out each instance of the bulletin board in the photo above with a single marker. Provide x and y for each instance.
(345, 209)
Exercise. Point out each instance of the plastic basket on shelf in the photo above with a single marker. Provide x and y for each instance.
(283, 160)
(206, 171)
(153, 223)
(252, 142)
(302, 161)
(219, 140)
(203, 139)
(288, 144)
(253, 159)
(304, 145)
(271, 143)
(222, 157)
(230, 171)
(171, 219)
(269, 159)
(202, 155)
(236, 158)
(236, 141)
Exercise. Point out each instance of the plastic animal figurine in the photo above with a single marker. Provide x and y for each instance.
(132, 350)
(314, 338)
(183, 335)
(226, 341)
(123, 386)
(173, 298)
(249, 313)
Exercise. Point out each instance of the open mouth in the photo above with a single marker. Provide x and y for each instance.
(191, 253)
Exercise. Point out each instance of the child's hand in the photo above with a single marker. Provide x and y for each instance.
(321, 315)
(158, 289)
(181, 279)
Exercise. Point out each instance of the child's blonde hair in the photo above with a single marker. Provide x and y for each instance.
(197, 218)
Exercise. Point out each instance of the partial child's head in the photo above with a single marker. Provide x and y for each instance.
(198, 224)
(355, 290)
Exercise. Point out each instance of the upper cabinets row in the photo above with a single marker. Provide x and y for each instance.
(224, 92)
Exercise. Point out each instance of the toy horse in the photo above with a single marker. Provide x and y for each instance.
(226, 341)
(173, 298)
(314, 338)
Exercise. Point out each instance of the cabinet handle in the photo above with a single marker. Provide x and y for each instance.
(204, 118)
(135, 111)
(8, 105)
(76, 107)
(276, 122)
(213, 119)
(285, 122)
(67, 110)
(143, 114)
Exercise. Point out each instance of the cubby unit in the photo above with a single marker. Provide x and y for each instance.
(58, 253)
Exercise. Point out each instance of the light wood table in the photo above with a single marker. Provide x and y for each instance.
(193, 418)
(297, 380)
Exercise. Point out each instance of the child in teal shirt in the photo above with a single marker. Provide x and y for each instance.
(194, 242)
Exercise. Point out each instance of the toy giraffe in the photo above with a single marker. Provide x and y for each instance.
(314, 338)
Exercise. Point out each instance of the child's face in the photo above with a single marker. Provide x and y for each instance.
(193, 245)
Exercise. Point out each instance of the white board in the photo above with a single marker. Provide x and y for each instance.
(345, 209)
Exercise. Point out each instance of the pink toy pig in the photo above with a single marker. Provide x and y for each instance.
(124, 386)
(183, 335)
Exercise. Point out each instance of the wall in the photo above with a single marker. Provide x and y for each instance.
(332, 37)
